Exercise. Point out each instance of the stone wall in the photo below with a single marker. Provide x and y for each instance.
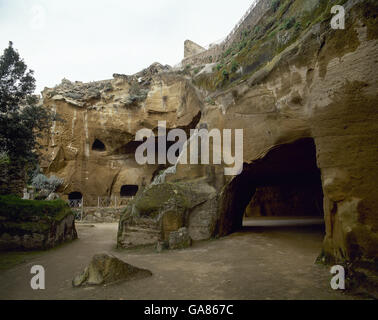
(286, 201)
(102, 215)
(191, 48)
(215, 52)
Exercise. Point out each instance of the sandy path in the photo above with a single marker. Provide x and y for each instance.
(268, 263)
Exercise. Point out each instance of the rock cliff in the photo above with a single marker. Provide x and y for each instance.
(305, 95)
(92, 147)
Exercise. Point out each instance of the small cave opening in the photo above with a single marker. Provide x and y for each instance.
(75, 196)
(128, 191)
(129, 148)
(281, 190)
(98, 146)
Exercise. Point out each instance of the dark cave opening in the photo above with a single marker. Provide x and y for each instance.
(131, 147)
(98, 146)
(285, 185)
(128, 191)
(75, 196)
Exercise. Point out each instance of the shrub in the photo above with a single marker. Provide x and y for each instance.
(16, 209)
(4, 158)
(298, 26)
(242, 45)
(289, 23)
(55, 183)
(275, 5)
(225, 74)
(41, 182)
(234, 66)
(245, 33)
(227, 52)
(219, 66)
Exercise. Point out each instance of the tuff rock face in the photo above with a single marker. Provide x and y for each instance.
(306, 97)
(179, 239)
(93, 148)
(165, 208)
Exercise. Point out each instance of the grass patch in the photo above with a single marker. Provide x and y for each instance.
(8, 260)
(15, 209)
(20, 217)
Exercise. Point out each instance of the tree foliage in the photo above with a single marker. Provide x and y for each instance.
(22, 120)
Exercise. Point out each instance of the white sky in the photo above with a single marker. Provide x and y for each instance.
(89, 40)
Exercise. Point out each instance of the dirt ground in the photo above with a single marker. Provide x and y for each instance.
(264, 261)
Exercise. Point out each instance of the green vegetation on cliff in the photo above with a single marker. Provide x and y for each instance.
(280, 27)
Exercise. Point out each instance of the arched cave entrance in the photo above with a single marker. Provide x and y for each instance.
(128, 191)
(75, 196)
(285, 184)
(98, 146)
(75, 199)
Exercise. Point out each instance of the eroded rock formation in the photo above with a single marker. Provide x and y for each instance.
(303, 80)
(93, 148)
(306, 97)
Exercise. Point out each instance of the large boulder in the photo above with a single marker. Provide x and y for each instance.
(105, 269)
(34, 225)
(167, 207)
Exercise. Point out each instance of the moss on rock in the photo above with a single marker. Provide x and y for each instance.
(34, 225)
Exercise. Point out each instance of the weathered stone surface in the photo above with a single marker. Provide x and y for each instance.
(102, 215)
(286, 201)
(191, 48)
(21, 228)
(203, 219)
(105, 269)
(321, 86)
(111, 111)
(165, 208)
(305, 81)
(161, 246)
(52, 196)
(179, 239)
